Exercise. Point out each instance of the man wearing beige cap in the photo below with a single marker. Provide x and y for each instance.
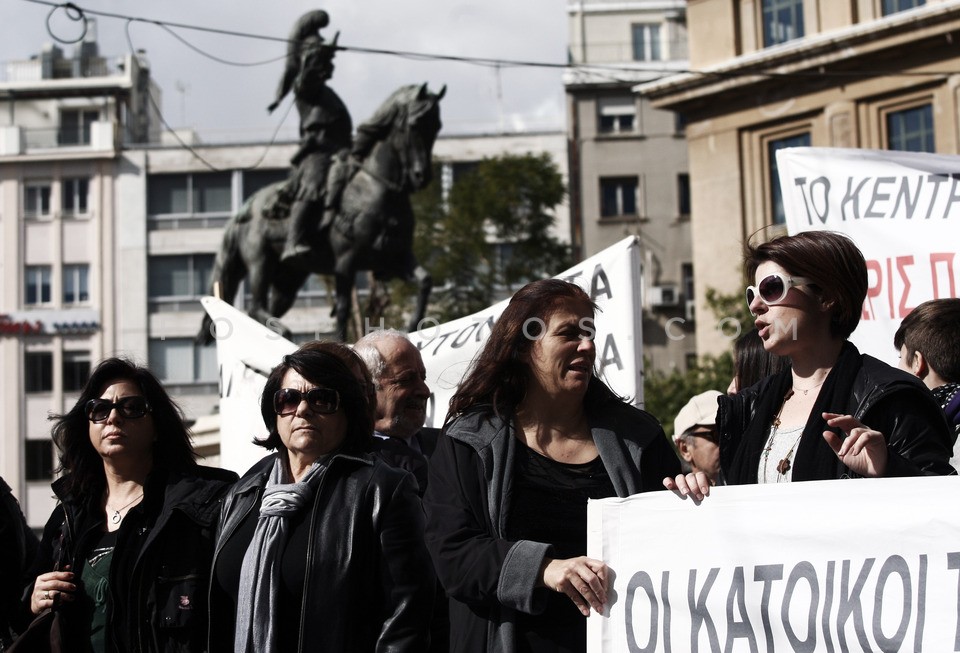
(695, 433)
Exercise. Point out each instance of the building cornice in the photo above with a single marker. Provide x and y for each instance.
(605, 6)
(819, 53)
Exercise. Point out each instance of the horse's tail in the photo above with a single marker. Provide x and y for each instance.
(228, 270)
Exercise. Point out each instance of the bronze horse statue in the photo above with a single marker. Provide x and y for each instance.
(372, 229)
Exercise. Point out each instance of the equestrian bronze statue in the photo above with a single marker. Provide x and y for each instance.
(346, 206)
(371, 230)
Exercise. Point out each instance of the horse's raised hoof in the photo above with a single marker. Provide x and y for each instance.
(297, 256)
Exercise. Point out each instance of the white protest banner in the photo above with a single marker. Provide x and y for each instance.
(247, 350)
(903, 211)
(858, 565)
(612, 278)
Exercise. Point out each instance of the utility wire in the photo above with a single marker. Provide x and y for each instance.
(186, 145)
(623, 69)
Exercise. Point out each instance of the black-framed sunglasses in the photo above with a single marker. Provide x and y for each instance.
(98, 410)
(773, 288)
(322, 401)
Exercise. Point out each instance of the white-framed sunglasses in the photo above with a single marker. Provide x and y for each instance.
(773, 288)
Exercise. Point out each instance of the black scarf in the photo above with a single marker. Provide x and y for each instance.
(814, 460)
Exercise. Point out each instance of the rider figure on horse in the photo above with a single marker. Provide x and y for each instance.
(325, 133)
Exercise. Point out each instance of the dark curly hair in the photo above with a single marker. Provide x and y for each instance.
(833, 263)
(498, 376)
(71, 431)
(323, 364)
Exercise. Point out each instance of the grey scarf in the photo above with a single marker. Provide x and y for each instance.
(260, 573)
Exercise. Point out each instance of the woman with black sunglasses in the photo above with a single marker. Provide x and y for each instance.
(832, 413)
(126, 554)
(321, 544)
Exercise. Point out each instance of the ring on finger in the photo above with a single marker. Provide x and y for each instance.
(46, 595)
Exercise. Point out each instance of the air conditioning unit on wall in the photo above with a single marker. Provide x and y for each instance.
(663, 296)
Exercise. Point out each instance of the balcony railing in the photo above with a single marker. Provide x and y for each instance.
(97, 136)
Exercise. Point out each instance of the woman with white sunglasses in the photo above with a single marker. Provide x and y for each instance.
(833, 412)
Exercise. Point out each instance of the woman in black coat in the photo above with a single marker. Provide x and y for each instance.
(321, 544)
(126, 554)
(832, 413)
(532, 434)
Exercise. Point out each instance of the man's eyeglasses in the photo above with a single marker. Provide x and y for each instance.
(322, 401)
(773, 289)
(98, 410)
(706, 434)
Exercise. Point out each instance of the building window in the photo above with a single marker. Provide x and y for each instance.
(782, 21)
(776, 194)
(686, 279)
(679, 123)
(646, 42)
(37, 285)
(911, 130)
(76, 284)
(181, 360)
(618, 196)
(38, 371)
(73, 196)
(75, 125)
(183, 277)
(894, 6)
(683, 194)
(189, 194)
(254, 180)
(38, 460)
(76, 370)
(36, 200)
(616, 115)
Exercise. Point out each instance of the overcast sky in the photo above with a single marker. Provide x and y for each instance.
(229, 103)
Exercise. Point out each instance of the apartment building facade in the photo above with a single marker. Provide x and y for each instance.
(63, 123)
(768, 74)
(628, 159)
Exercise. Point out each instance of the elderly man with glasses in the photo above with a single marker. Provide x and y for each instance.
(695, 434)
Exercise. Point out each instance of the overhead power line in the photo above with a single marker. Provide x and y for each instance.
(608, 71)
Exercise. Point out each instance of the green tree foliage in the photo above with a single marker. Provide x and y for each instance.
(665, 393)
(507, 200)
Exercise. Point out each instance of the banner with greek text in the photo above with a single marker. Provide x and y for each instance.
(247, 350)
(903, 211)
(850, 565)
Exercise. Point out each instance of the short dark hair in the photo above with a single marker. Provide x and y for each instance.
(357, 365)
(172, 449)
(933, 329)
(833, 263)
(498, 376)
(318, 363)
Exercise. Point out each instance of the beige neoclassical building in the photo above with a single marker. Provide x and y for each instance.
(768, 74)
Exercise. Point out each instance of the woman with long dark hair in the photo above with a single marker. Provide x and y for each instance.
(126, 554)
(532, 433)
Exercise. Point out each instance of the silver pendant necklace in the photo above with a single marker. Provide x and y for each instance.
(116, 518)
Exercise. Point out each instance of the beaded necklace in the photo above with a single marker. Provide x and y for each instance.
(784, 465)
